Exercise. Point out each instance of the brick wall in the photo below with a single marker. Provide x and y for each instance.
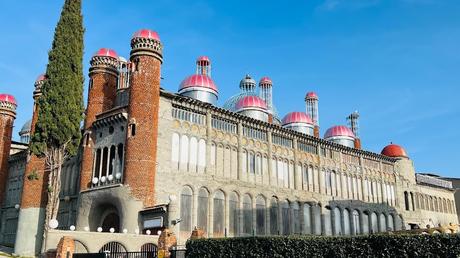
(6, 130)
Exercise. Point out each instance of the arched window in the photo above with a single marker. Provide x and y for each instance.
(219, 208)
(202, 153)
(184, 149)
(346, 222)
(356, 222)
(260, 215)
(247, 214)
(193, 154)
(105, 156)
(296, 217)
(213, 154)
(258, 164)
(112, 159)
(274, 230)
(175, 144)
(120, 153)
(374, 223)
(412, 200)
(186, 209)
(286, 217)
(306, 213)
(233, 214)
(337, 222)
(383, 223)
(391, 225)
(203, 204)
(406, 200)
(113, 247)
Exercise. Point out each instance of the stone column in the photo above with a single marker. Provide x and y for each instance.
(297, 174)
(240, 151)
(273, 180)
(211, 215)
(208, 169)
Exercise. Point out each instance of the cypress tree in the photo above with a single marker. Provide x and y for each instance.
(57, 132)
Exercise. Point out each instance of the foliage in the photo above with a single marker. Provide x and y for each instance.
(441, 245)
(60, 107)
(33, 175)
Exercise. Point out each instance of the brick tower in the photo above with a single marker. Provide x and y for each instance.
(7, 116)
(34, 195)
(141, 142)
(102, 90)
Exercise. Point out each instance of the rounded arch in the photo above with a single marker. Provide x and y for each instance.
(113, 247)
(219, 213)
(80, 247)
(149, 248)
(346, 221)
(247, 214)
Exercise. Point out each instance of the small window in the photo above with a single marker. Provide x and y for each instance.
(100, 135)
(122, 128)
(111, 130)
(132, 128)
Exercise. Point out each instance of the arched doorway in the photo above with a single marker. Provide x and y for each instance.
(111, 220)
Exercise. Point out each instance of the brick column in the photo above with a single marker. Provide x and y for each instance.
(66, 247)
(34, 195)
(166, 240)
(103, 75)
(144, 104)
(7, 116)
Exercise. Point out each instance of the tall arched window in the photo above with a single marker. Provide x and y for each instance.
(202, 153)
(356, 222)
(247, 214)
(175, 146)
(233, 210)
(186, 209)
(383, 223)
(219, 211)
(406, 200)
(260, 215)
(274, 229)
(346, 222)
(306, 213)
(286, 217)
(337, 222)
(412, 200)
(112, 159)
(120, 158)
(374, 223)
(203, 203)
(105, 156)
(296, 217)
(391, 225)
(184, 149)
(213, 154)
(193, 154)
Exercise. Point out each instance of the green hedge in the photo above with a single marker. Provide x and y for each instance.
(441, 245)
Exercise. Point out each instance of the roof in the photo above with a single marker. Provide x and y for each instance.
(394, 150)
(146, 33)
(106, 52)
(297, 117)
(199, 81)
(8, 98)
(339, 130)
(265, 80)
(311, 95)
(251, 102)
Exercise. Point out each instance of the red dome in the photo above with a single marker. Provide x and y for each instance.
(265, 80)
(40, 78)
(339, 130)
(311, 95)
(251, 102)
(198, 80)
(106, 52)
(203, 59)
(148, 34)
(394, 150)
(8, 98)
(297, 117)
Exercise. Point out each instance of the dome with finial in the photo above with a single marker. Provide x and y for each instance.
(106, 52)
(147, 34)
(395, 151)
(299, 122)
(340, 134)
(25, 131)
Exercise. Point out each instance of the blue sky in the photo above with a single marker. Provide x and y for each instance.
(395, 61)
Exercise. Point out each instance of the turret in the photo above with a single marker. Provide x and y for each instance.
(7, 115)
(266, 91)
(254, 107)
(200, 86)
(248, 85)
(299, 122)
(353, 123)
(144, 101)
(340, 134)
(311, 100)
(103, 75)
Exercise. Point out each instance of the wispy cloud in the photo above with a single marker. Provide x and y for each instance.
(331, 5)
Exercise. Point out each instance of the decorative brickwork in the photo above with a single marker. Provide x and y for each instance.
(66, 245)
(166, 241)
(101, 97)
(144, 101)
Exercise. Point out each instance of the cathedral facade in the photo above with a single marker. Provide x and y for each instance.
(152, 159)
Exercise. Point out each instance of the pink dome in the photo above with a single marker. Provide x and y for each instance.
(297, 117)
(198, 80)
(146, 33)
(394, 151)
(339, 130)
(265, 80)
(106, 52)
(203, 59)
(8, 98)
(40, 78)
(311, 95)
(251, 102)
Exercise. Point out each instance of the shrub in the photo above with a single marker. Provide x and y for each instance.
(316, 246)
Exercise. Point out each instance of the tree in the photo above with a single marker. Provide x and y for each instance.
(57, 131)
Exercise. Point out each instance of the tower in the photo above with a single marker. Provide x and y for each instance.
(102, 92)
(311, 100)
(203, 66)
(141, 142)
(7, 116)
(34, 195)
(353, 123)
(266, 85)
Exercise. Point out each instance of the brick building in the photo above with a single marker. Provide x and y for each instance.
(152, 159)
